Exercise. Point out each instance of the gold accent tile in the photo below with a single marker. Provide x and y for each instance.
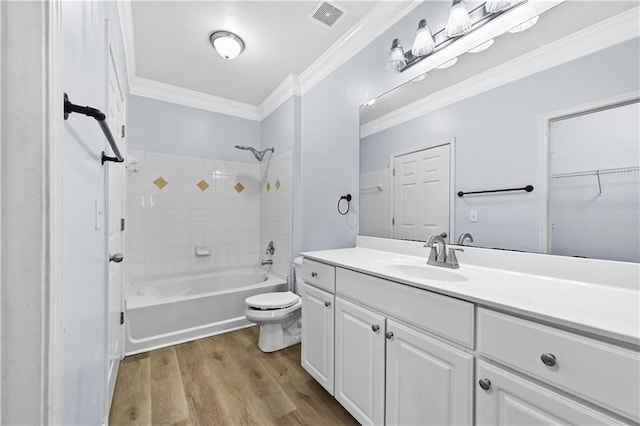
(239, 187)
(278, 184)
(160, 182)
(268, 187)
(203, 185)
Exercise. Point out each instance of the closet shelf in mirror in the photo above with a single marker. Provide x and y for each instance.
(376, 188)
(597, 172)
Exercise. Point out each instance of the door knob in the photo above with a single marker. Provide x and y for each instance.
(116, 257)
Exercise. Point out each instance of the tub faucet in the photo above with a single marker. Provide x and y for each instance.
(270, 248)
(438, 255)
(266, 262)
(462, 237)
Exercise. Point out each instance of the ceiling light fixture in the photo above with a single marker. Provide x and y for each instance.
(525, 25)
(227, 44)
(424, 42)
(493, 6)
(459, 21)
(396, 61)
(482, 47)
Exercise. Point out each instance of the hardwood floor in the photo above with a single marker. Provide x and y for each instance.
(221, 380)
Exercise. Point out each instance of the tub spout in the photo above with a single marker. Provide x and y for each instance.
(266, 262)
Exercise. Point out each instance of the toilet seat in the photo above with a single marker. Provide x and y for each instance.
(270, 301)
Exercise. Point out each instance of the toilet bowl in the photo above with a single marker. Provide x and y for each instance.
(278, 315)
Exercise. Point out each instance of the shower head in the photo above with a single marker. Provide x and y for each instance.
(258, 154)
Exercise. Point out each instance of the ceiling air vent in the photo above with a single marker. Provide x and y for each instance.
(326, 14)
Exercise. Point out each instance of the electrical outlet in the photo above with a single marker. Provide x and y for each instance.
(99, 214)
(473, 216)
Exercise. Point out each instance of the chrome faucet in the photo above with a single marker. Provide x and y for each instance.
(439, 256)
(271, 248)
(462, 237)
(266, 262)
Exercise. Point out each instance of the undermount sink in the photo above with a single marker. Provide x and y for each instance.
(424, 272)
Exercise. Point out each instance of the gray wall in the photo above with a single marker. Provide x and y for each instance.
(277, 129)
(497, 140)
(175, 129)
(84, 254)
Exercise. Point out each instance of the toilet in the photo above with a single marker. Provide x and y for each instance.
(279, 316)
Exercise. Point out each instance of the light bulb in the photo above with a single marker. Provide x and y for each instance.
(228, 45)
(396, 61)
(424, 42)
(481, 47)
(493, 6)
(459, 21)
(525, 25)
(448, 64)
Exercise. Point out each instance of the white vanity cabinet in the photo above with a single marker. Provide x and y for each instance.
(318, 322)
(390, 372)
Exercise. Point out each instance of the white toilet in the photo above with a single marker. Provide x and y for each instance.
(279, 316)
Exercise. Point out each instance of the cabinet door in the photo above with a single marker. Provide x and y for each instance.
(512, 400)
(360, 361)
(317, 335)
(429, 382)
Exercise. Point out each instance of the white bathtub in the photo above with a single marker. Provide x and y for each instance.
(168, 312)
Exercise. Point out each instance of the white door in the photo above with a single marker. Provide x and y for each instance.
(317, 335)
(360, 335)
(512, 400)
(428, 381)
(421, 193)
(115, 213)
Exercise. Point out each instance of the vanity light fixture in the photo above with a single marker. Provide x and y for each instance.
(459, 21)
(525, 25)
(424, 42)
(493, 6)
(227, 44)
(397, 60)
(482, 47)
(448, 64)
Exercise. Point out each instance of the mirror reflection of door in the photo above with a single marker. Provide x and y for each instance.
(421, 191)
(594, 206)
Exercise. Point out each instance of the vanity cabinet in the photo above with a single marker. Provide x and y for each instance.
(317, 334)
(390, 372)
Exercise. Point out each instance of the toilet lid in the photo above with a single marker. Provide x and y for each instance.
(278, 300)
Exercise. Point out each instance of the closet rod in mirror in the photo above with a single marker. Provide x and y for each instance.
(527, 188)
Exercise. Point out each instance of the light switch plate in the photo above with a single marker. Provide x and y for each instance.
(99, 213)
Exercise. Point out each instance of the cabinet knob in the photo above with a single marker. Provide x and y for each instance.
(116, 257)
(548, 359)
(388, 334)
(314, 274)
(327, 304)
(375, 327)
(485, 384)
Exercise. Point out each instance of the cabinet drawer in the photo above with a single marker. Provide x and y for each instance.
(599, 372)
(319, 274)
(445, 316)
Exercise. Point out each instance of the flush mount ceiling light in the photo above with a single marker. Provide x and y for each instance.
(482, 47)
(396, 61)
(525, 25)
(448, 64)
(459, 21)
(493, 6)
(424, 42)
(227, 44)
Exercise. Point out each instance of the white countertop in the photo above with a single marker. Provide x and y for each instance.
(606, 311)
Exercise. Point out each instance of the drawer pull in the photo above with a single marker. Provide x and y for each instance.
(375, 327)
(388, 334)
(327, 304)
(548, 359)
(314, 274)
(485, 384)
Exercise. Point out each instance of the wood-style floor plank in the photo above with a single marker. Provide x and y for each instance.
(222, 380)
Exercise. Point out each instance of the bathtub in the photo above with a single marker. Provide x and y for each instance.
(168, 312)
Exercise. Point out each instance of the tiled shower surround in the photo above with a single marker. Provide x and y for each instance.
(176, 203)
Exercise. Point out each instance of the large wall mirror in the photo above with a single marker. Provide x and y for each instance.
(550, 114)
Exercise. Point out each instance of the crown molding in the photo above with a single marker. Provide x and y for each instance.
(600, 36)
(366, 30)
(178, 95)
